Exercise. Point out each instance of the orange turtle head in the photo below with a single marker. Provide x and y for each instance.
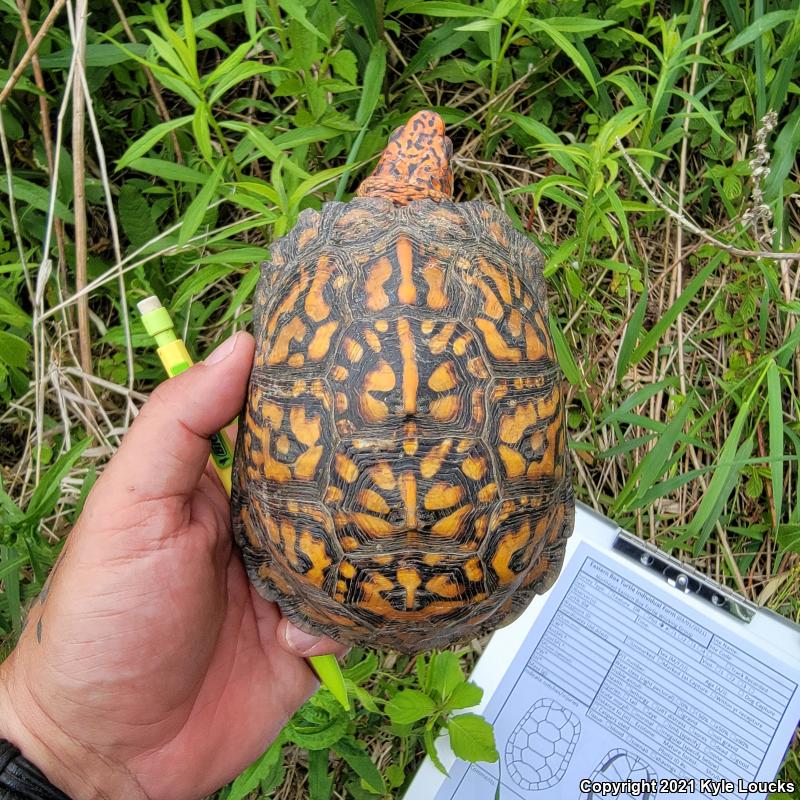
(415, 163)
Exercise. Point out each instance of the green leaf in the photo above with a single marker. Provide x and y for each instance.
(236, 253)
(33, 195)
(409, 705)
(14, 351)
(345, 65)
(182, 48)
(179, 85)
(533, 24)
(727, 468)
(373, 81)
(251, 20)
(632, 332)
(465, 695)
(785, 150)
(789, 538)
(243, 291)
(298, 12)
(368, 12)
(444, 674)
(436, 9)
(320, 781)
(763, 24)
(652, 337)
(257, 189)
(202, 132)
(11, 511)
(147, 142)
(170, 171)
(168, 55)
(472, 738)
(395, 775)
(430, 749)
(356, 756)
(228, 64)
(441, 41)
(653, 465)
(199, 281)
(262, 770)
(97, 55)
(134, 215)
(542, 134)
(9, 568)
(48, 490)
(319, 724)
(776, 454)
(364, 669)
(699, 109)
(12, 314)
(236, 76)
(267, 147)
(638, 398)
(306, 135)
(564, 354)
(363, 697)
(579, 24)
(309, 185)
(188, 31)
(199, 206)
(481, 25)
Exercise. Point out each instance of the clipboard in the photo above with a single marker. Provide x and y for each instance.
(634, 676)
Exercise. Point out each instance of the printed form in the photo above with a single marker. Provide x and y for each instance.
(616, 684)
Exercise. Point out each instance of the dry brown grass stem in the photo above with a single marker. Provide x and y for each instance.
(33, 48)
(114, 229)
(79, 186)
(683, 220)
(677, 283)
(44, 116)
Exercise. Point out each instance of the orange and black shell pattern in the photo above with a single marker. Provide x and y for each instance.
(402, 477)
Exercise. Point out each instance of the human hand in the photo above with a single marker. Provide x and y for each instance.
(149, 667)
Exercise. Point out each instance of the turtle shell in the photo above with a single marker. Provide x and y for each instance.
(402, 477)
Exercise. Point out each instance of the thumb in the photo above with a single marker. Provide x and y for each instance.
(166, 449)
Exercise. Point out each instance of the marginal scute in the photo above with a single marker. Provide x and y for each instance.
(402, 474)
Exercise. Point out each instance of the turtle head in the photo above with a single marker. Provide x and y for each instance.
(415, 164)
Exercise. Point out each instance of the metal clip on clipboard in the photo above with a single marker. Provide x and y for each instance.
(684, 578)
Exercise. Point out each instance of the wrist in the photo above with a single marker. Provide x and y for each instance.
(64, 761)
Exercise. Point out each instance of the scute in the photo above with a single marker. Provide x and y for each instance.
(402, 476)
(288, 426)
(303, 318)
(413, 494)
(392, 368)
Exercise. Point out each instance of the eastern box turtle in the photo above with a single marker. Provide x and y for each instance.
(402, 477)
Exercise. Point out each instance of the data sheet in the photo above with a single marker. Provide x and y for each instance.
(617, 691)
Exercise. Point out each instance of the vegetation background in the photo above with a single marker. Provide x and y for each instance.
(649, 148)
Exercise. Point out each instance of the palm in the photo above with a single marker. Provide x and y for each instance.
(150, 668)
(212, 663)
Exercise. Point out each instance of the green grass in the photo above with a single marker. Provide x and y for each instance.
(619, 135)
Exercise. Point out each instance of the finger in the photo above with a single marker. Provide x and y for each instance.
(299, 643)
(166, 449)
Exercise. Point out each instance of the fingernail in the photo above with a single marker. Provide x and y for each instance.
(222, 351)
(298, 640)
